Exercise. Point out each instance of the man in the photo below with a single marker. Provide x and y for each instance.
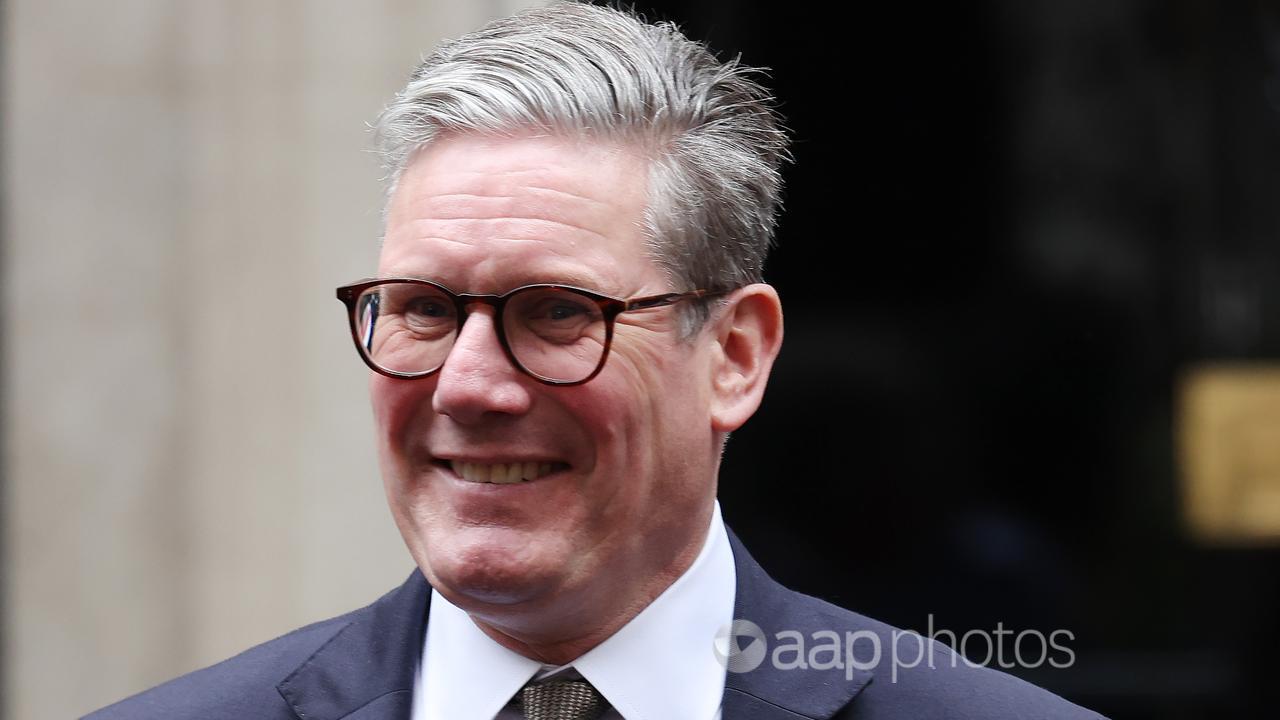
(568, 320)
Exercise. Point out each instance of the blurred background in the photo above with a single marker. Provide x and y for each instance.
(1032, 370)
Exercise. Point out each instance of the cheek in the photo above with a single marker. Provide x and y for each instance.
(648, 414)
(679, 412)
(395, 404)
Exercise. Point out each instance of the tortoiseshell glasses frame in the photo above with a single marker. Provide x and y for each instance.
(609, 309)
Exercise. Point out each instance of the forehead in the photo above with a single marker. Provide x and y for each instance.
(486, 214)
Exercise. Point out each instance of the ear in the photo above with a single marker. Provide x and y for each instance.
(748, 337)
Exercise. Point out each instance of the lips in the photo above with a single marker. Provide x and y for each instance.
(504, 473)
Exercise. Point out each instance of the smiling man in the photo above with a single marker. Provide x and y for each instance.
(552, 512)
(567, 320)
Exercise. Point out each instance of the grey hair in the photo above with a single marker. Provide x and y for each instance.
(714, 142)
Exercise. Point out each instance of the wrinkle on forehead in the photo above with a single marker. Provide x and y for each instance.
(506, 199)
(441, 201)
(532, 227)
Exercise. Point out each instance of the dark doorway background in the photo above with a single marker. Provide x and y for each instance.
(1010, 226)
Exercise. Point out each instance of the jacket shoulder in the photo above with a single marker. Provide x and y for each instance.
(241, 688)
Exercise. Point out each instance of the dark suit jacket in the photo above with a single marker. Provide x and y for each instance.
(361, 666)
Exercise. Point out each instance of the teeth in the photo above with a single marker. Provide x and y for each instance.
(505, 473)
(501, 473)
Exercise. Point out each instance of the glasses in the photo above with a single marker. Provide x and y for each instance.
(557, 334)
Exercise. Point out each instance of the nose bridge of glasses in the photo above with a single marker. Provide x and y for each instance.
(468, 301)
(467, 305)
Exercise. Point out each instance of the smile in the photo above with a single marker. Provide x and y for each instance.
(504, 473)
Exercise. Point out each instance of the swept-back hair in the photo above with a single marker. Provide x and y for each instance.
(708, 128)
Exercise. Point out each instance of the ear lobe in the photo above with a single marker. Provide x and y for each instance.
(748, 337)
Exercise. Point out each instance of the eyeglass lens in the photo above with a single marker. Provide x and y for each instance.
(554, 333)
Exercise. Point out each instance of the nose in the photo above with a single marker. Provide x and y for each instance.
(477, 379)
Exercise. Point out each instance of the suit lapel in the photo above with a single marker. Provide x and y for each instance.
(771, 693)
(366, 671)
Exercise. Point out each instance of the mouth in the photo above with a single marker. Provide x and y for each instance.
(502, 473)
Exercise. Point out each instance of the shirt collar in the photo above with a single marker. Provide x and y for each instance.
(668, 646)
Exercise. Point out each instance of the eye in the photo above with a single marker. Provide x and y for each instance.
(558, 310)
(426, 311)
(552, 314)
(428, 307)
(565, 311)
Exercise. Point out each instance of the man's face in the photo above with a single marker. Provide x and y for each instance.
(632, 452)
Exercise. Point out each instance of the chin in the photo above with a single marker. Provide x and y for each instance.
(491, 566)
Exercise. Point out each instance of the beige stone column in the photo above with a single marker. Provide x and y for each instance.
(188, 455)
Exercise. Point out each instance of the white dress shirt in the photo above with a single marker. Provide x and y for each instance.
(659, 666)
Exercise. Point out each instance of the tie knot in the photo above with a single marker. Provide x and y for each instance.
(561, 700)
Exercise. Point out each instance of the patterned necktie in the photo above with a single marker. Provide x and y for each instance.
(561, 700)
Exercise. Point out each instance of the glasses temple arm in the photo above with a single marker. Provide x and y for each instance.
(671, 298)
